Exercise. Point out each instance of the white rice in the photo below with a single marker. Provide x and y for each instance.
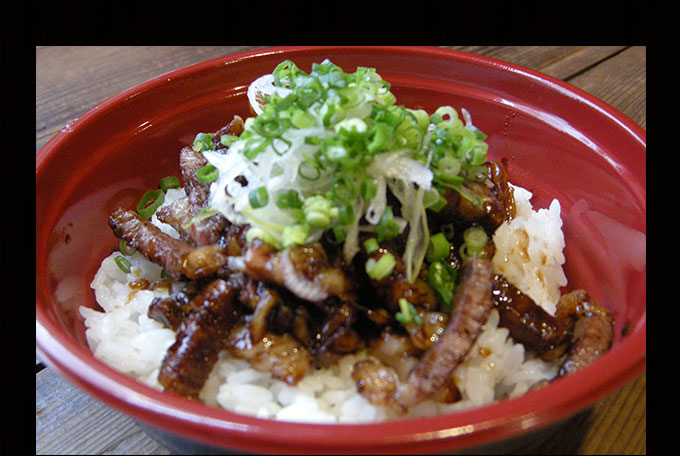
(529, 255)
(529, 251)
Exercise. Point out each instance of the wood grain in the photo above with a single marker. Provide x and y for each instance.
(71, 80)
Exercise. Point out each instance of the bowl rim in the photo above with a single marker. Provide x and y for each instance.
(217, 426)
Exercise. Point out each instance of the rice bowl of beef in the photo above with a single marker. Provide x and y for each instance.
(88, 320)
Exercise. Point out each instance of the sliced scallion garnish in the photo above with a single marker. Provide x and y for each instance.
(149, 203)
(207, 174)
(123, 264)
(382, 267)
(408, 313)
(169, 182)
(474, 241)
(258, 198)
(438, 249)
(124, 248)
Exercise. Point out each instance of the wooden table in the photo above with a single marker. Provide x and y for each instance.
(71, 80)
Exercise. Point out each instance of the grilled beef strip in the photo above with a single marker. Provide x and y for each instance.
(203, 230)
(200, 337)
(528, 322)
(179, 259)
(593, 330)
(472, 301)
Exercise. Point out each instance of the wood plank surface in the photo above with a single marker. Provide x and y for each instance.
(71, 80)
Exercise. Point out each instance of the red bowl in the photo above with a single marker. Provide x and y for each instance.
(560, 143)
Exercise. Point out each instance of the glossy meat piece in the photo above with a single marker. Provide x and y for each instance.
(593, 330)
(176, 215)
(207, 231)
(528, 322)
(396, 286)
(171, 310)
(200, 338)
(377, 383)
(281, 354)
(167, 311)
(194, 230)
(395, 350)
(203, 231)
(497, 201)
(263, 300)
(498, 176)
(179, 259)
(303, 270)
(472, 304)
(235, 128)
(425, 335)
(191, 161)
(336, 336)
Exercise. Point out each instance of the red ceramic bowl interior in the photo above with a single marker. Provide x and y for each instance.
(559, 141)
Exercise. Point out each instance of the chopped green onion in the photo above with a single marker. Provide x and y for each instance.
(123, 264)
(442, 277)
(371, 245)
(313, 140)
(345, 215)
(438, 249)
(352, 128)
(258, 198)
(451, 180)
(254, 146)
(227, 140)
(431, 198)
(479, 134)
(289, 200)
(438, 205)
(449, 165)
(308, 171)
(408, 313)
(444, 111)
(379, 135)
(302, 119)
(474, 241)
(281, 145)
(294, 235)
(169, 182)
(339, 233)
(387, 228)
(332, 125)
(449, 230)
(203, 141)
(149, 203)
(369, 188)
(381, 268)
(207, 174)
(124, 248)
(318, 211)
(343, 189)
(475, 237)
(336, 154)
